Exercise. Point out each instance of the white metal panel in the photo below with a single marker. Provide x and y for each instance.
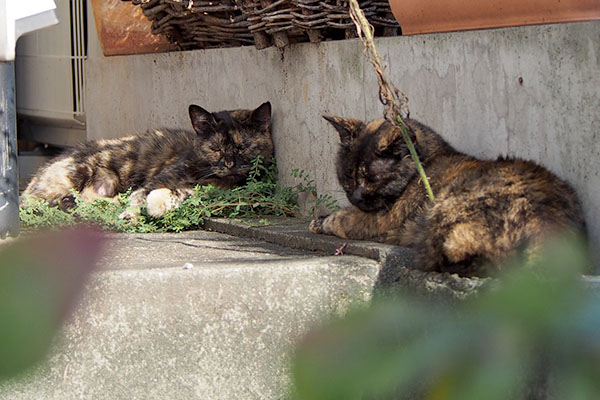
(18, 17)
(50, 69)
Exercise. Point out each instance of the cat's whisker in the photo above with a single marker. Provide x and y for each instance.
(208, 175)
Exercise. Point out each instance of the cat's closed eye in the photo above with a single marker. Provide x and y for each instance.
(380, 167)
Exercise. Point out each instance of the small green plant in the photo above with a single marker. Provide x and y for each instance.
(39, 215)
(261, 196)
(307, 185)
(103, 213)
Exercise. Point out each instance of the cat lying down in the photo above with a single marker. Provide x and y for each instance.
(483, 212)
(162, 167)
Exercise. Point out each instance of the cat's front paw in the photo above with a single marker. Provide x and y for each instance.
(130, 214)
(316, 225)
(159, 201)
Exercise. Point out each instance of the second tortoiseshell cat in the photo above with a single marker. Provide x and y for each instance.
(483, 211)
(162, 167)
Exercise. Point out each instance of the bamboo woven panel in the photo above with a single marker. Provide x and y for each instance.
(195, 24)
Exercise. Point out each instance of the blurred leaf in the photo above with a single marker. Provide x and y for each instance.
(40, 278)
(536, 331)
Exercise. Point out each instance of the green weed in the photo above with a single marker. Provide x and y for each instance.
(260, 196)
(307, 185)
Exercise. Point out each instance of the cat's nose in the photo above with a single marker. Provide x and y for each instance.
(229, 164)
(357, 196)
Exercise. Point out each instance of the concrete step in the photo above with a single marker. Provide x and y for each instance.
(215, 315)
(195, 315)
(395, 273)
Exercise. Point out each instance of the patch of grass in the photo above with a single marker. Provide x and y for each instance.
(261, 196)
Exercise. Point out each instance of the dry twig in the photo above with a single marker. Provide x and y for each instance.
(395, 102)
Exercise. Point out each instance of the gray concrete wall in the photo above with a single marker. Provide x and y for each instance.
(532, 92)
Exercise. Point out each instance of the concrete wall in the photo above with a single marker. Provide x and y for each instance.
(532, 92)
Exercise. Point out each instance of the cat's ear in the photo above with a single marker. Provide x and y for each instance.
(262, 114)
(348, 128)
(202, 121)
(389, 139)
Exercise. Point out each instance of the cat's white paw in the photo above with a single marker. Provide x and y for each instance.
(130, 214)
(159, 201)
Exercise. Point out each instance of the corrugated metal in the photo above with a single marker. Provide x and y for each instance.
(49, 69)
(78, 52)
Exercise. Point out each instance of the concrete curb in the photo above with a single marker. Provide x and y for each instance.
(195, 315)
(395, 274)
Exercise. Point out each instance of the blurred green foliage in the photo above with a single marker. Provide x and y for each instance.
(534, 334)
(40, 278)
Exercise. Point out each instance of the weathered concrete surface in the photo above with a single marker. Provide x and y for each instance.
(193, 316)
(294, 233)
(396, 274)
(531, 92)
(206, 315)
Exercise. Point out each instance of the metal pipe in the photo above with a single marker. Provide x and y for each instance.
(9, 183)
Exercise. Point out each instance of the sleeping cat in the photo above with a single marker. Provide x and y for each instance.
(162, 166)
(483, 211)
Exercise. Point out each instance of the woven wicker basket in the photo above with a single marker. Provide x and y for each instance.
(194, 24)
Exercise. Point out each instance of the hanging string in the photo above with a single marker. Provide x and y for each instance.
(395, 102)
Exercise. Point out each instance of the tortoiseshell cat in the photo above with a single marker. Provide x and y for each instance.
(483, 211)
(163, 166)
